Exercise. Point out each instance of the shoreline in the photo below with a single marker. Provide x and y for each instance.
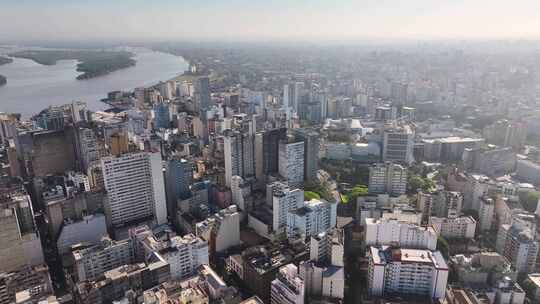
(152, 67)
(90, 63)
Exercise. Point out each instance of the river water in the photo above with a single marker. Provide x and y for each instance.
(32, 87)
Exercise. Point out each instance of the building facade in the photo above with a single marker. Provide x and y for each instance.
(387, 178)
(393, 232)
(402, 272)
(135, 187)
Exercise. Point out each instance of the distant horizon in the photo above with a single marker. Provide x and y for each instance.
(278, 20)
(502, 44)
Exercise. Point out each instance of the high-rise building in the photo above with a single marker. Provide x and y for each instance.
(8, 126)
(387, 178)
(267, 151)
(424, 203)
(328, 247)
(291, 161)
(323, 280)
(52, 118)
(288, 287)
(284, 200)
(288, 97)
(239, 155)
(517, 243)
(165, 90)
(88, 147)
(486, 213)
(447, 204)
(20, 244)
(490, 160)
(398, 144)
(47, 152)
(162, 119)
(221, 230)
(135, 187)
(202, 93)
(240, 192)
(311, 141)
(90, 230)
(179, 176)
(406, 272)
(506, 133)
(119, 143)
(398, 91)
(393, 232)
(324, 105)
(314, 217)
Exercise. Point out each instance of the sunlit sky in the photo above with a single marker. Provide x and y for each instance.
(268, 20)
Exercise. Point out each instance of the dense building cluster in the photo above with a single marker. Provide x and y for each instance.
(389, 179)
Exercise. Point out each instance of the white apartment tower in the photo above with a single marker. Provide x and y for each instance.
(398, 272)
(462, 227)
(387, 178)
(135, 187)
(314, 217)
(291, 162)
(393, 232)
(284, 200)
(517, 243)
(185, 255)
(398, 144)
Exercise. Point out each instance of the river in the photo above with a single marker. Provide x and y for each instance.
(32, 87)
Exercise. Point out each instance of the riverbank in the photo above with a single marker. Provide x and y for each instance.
(5, 60)
(91, 63)
(57, 84)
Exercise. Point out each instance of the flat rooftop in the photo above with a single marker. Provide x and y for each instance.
(385, 255)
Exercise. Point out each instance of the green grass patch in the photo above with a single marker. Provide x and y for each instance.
(309, 195)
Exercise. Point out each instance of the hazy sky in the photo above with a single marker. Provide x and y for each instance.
(267, 20)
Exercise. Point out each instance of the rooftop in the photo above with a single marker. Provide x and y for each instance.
(535, 278)
(385, 254)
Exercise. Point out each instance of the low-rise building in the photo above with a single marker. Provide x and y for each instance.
(482, 269)
(462, 227)
(91, 262)
(393, 232)
(90, 230)
(261, 264)
(288, 287)
(116, 282)
(534, 283)
(35, 278)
